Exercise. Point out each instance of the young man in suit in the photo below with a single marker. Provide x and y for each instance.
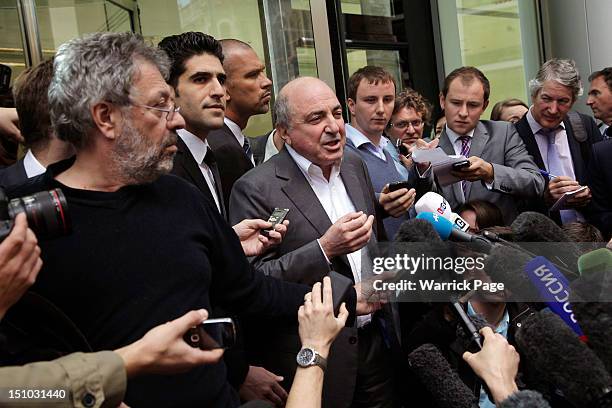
(559, 140)
(500, 171)
(248, 93)
(600, 99)
(44, 148)
(332, 213)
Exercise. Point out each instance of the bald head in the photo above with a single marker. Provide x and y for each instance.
(309, 119)
(298, 89)
(248, 88)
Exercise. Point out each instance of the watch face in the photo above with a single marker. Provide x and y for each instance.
(305, 357)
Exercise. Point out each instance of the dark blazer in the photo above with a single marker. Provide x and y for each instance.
(515, 174)
(280, 183)
(231, 159)
(577, 152)
(600, 177)
(185, 167)
(258, 146)
(13, 175)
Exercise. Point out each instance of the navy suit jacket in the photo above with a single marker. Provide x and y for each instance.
(13, 175)
(600, 176)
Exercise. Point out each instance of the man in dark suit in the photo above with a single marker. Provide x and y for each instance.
(559, 140)
(266, 146)
(248, 93)
(600, 99)
(332, 210)
(500, 171)
(600, 177)
(44, 148)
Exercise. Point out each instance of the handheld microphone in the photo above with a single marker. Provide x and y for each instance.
(444, 385)
(446, 231)
(436, 204)
(555, 359)
(595, 261)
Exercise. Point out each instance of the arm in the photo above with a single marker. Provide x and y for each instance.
(9, 124)
(519, 175)
(318, 329)
(601, 208)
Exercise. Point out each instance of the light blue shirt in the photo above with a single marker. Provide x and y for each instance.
(502, 328)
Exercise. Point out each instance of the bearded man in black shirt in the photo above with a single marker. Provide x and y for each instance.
(145, 246)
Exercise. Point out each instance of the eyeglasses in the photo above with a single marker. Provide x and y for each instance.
(403, 124)
(170, 111)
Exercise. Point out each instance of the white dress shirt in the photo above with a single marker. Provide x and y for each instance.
(32, 166)
(237, 133)
(336, 202)
(198, 149)
(358, 139)
(271, 149)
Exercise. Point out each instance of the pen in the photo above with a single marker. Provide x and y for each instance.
(547, 174)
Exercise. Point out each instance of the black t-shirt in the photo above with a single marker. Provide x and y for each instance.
(146, 254)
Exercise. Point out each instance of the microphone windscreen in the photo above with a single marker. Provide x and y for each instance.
(554, 358)
(444, 385)
(551, 241)
(417, 230)
(433, 203)
(506, 264)
(595, 261)
(595, 319)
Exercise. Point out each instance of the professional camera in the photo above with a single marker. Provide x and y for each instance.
(46, 211)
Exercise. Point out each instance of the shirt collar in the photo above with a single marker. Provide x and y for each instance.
(196, 146)
(453, 136)
(235, 130)
(504, 323)
(358, 138)
(534, 124)
(310, 169)
(32, 165)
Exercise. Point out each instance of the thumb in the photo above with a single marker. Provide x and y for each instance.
(467, 356)
(343, 314)
(189, 320)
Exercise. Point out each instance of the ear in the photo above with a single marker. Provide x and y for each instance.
(442, 99)
(284, 134)
(484, 106)
(351, 105)
(107, 118)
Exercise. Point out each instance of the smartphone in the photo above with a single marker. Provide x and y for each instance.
(461, 164)
(340, 287)
(401, 149)
(5, 79)
(398, 185)
(277, 217)
(212, 334)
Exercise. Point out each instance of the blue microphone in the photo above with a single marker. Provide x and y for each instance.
(446, 230)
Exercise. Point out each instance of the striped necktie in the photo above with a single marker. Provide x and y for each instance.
(465, 151)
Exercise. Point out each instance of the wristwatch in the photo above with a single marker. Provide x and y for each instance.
(309, 357)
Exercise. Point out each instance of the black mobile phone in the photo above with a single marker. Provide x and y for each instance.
(401, 149)
(399, 184)
(461, 164)
(340, 288)
(212, 334)
(5, 79)
(277, 217)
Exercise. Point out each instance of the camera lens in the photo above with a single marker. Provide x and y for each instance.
(47, 212)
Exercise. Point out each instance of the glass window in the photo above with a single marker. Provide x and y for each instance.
(279, 32)
(496, 36)
(11, 47)
(62, 20)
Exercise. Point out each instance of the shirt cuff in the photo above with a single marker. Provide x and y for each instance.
(323, 252)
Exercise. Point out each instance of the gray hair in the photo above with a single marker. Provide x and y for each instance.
(563, 71)
(282, 111)
(95, 68)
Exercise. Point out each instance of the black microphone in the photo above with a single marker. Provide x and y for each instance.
(555, 360)
(444, 385)
(416, 230)
(533, 227)
(595, 318)
(507, 264)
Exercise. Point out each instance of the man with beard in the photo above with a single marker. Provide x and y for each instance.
(145, 247)
(248, 93)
